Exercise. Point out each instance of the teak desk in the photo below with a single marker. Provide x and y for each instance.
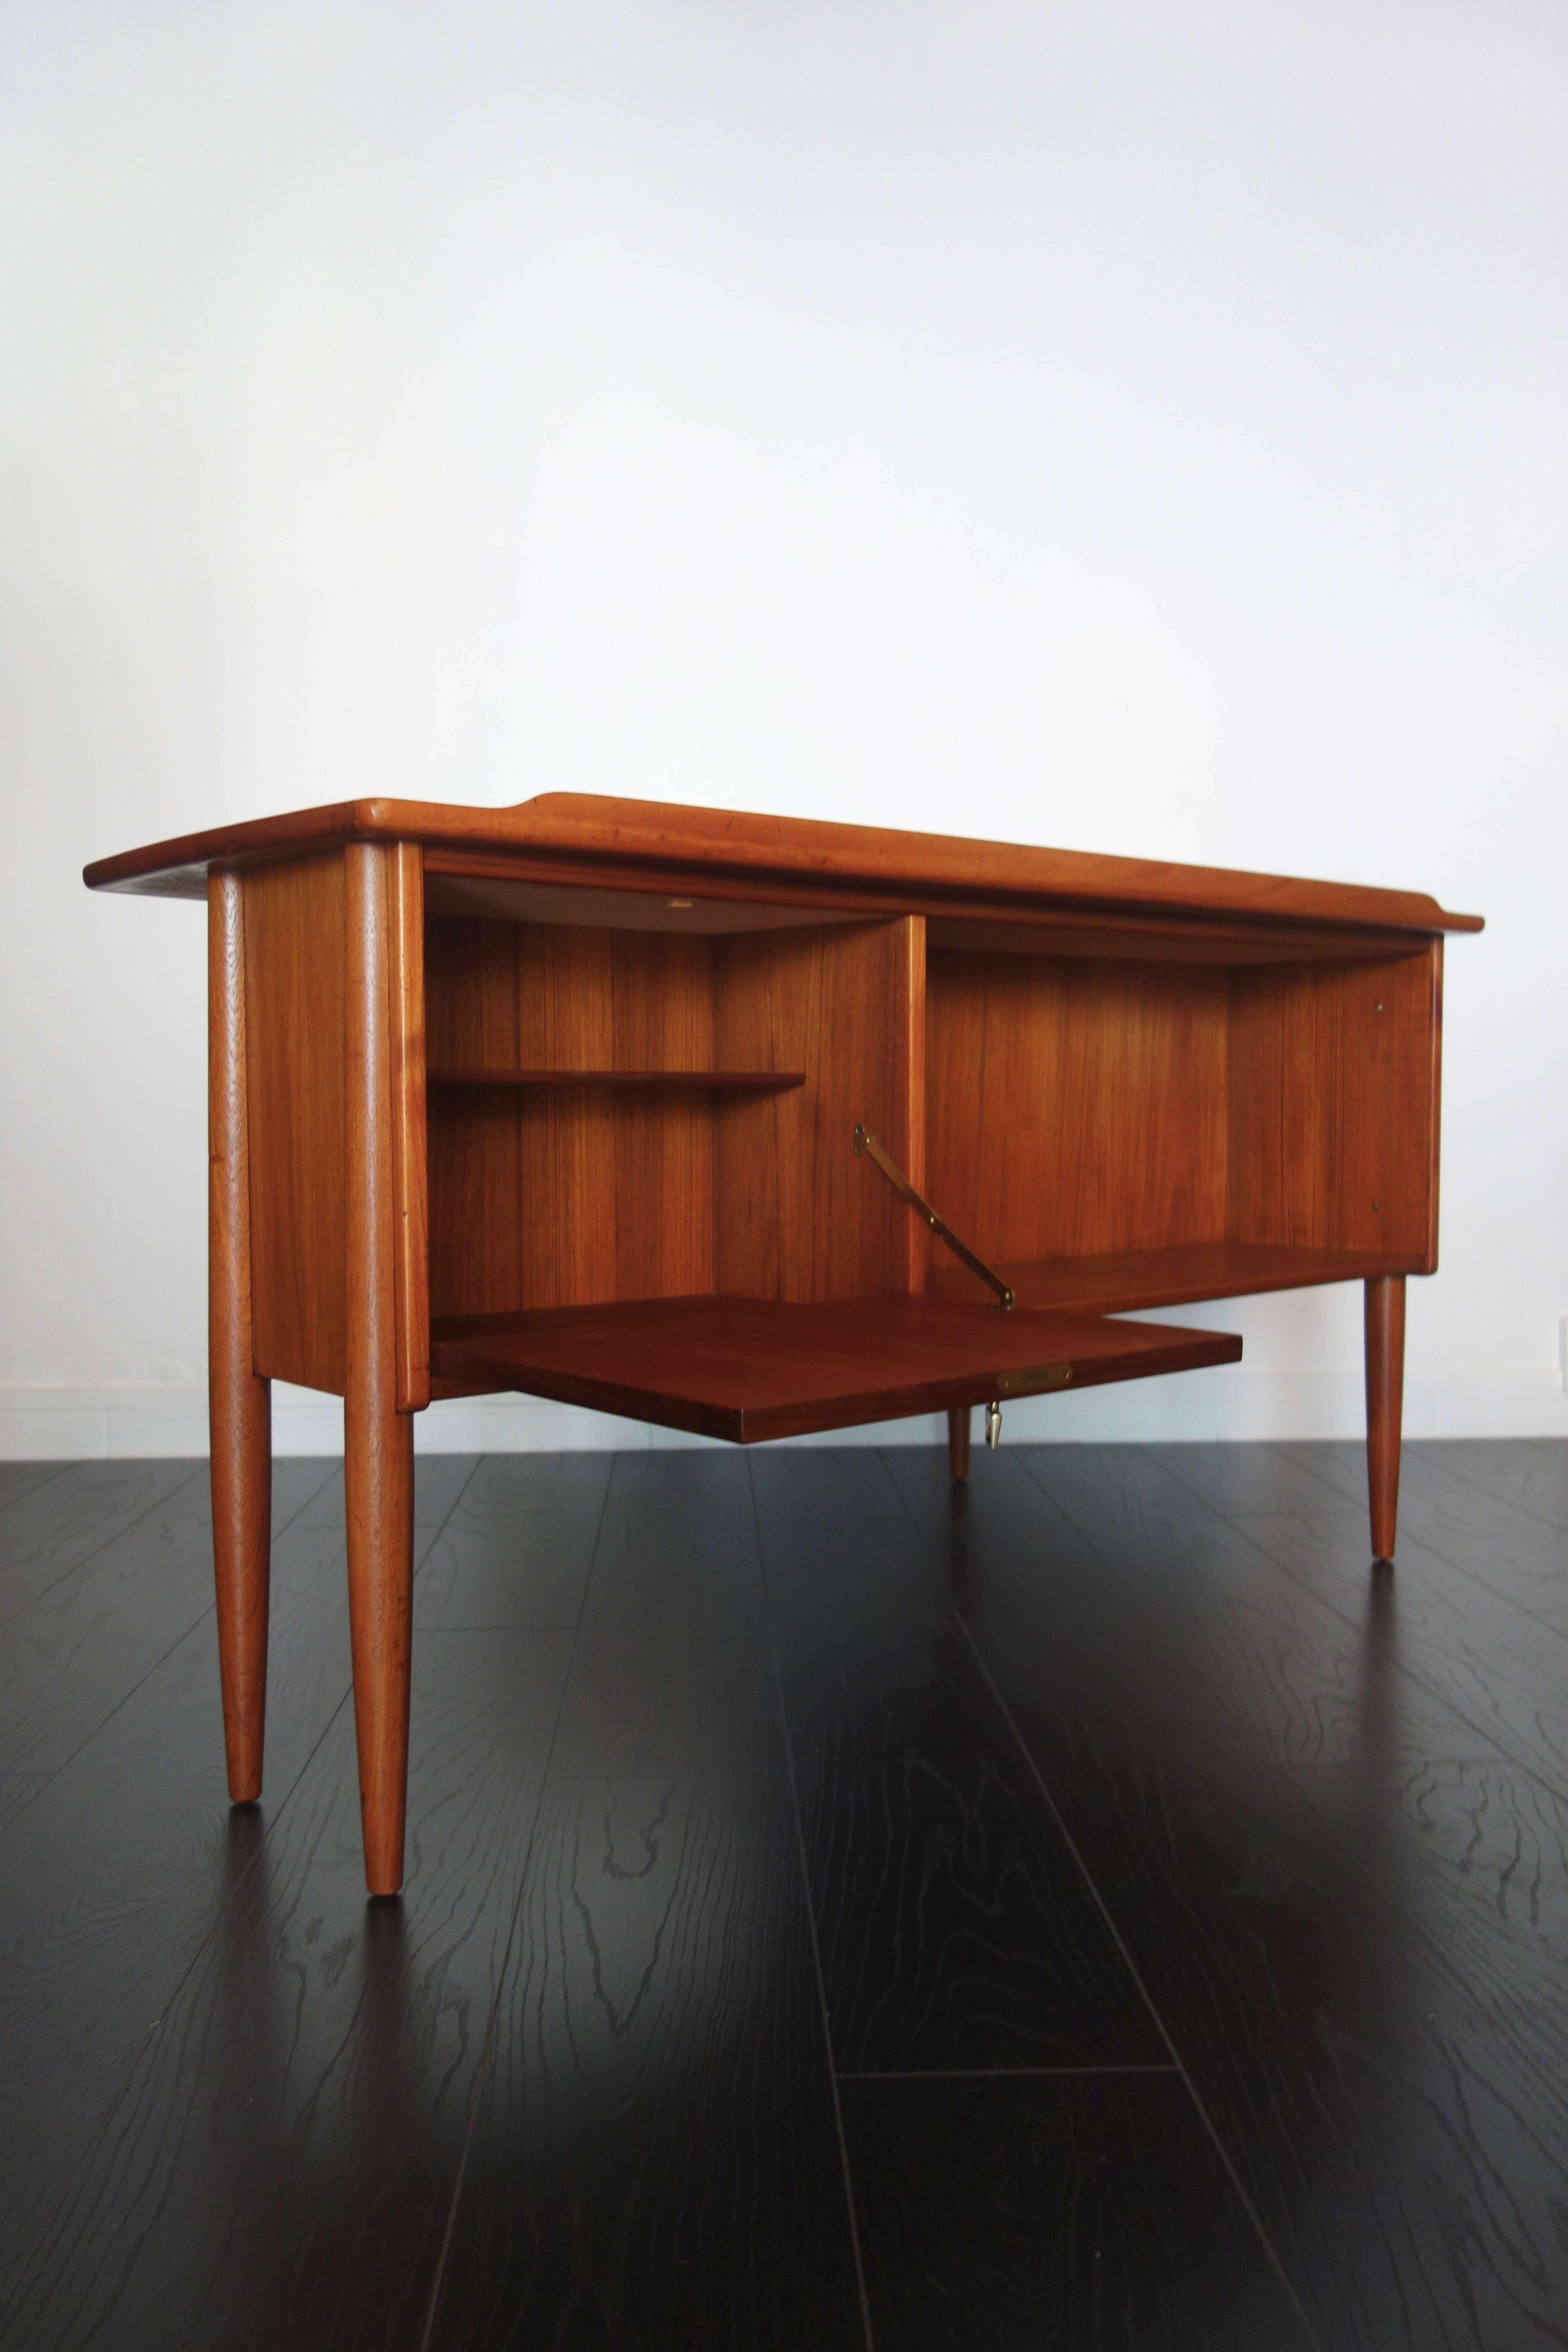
(574, 1097)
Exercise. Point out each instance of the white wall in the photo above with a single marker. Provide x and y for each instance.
(1136, 428)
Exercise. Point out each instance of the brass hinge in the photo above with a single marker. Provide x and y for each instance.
(867, 1147)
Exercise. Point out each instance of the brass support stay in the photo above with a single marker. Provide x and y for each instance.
(867, 1147)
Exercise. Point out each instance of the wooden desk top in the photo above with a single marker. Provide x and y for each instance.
(651, 845)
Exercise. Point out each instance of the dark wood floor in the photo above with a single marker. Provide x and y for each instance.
(1096, 1911)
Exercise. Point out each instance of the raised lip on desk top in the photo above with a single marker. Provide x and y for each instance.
(584, 836)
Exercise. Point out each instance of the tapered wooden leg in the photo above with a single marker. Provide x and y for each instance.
(378, 1439)
(958, 1443)
(239, 1404)
(1384, 1404)
(378, 1479)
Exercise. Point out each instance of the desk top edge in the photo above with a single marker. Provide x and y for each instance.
(586, 832)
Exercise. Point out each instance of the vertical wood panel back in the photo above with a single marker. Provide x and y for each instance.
(1076, 1107)
(1333, 1125)
(798, 1215)
(294, 1053)
(546, 1197)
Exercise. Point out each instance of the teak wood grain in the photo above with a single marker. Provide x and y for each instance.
(1384, 1397)
(404, 881)
(747, 1369)
(798, 1215)
(575, 1084)
(704, 1081)
(378, 1439)
(295, 1026)
(240, 1401)
(627, 1175)
(1076, 1108)
(576, 832)
(1121, 1282)
(1334, 1105)
(521, 885)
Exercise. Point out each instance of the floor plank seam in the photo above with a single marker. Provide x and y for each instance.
(58, 1472)
(481, 2072)
(202, 1618)
(1178, 2067)
(25, 2261)
(1445, 1700)
(847, 2176)
(1342, 1616)
(1460, 1566)
(87, 1559)
(995, 2073)
(1071, 1845)
(1510, 1501)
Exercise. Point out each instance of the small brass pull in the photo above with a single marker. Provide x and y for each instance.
(867, 1146)
(993, 1425)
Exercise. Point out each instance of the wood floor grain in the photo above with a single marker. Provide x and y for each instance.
(17, 1791)
(277, 2169)
(673, 1669)
(516, 1547)
(1498, 1669)
(955, 1929)
(1290, 1663)
(1082, 2211)
(19, 1478)
(1518, 1470)
(52, 1528)
(1515, 1552)
(655, 2163)
(1373, 2080)
(118, 1871)
(72, 1654)
(1091, 1907)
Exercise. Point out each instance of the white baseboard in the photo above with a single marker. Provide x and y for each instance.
(63, 1424)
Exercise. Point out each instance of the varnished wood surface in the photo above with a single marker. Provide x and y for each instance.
(553, 1196)
(1092, 1109)
(1384, 1405)
(378, 1434)
(1333, 1102)
(584, 829)
(1120, 1282)
(239, 1401)
(1125, 1749)
(405, 888)
(714, 1081)
(749, 1369)
(295, 1030)
(1076, 1108)
(793, 1216)
(911, 1125)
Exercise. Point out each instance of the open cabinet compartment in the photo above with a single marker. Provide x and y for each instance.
(716, 1257)
(1114, 1134)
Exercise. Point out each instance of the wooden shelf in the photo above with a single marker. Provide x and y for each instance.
(714, 1081)
(1122, 1281)
(746, 1369)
